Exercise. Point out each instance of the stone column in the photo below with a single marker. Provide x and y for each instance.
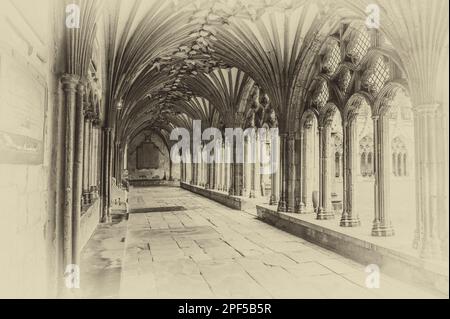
(275, 170)
(291, 174)
(257, 150)
(208, 175)
(213, 174)
(254, 166)
(86, 158)
(382, 225)
(246, 174)
(98, 159)
(170, 169)
(78, 172)
(325, 210)
(181, 170)
(350, 216)
(189, 168)
(69, 85)
(233, 168)
(227, 167)
(107, 172)
(299, 205)
(91, 158)
(429, 238)
(283, 164)
(94, 161)
(192, 172)
(224, 165)
(240, 170)
(307, 158)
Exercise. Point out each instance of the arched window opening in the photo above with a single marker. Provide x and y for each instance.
(405, 171)
(358, 45)
(337, 162)
(366, 151)
(394, 164)
(399, 158)
(377, 75)
(400, 164)
(369, 166)
(363, 165)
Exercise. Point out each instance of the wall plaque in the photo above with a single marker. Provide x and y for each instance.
(23, 103)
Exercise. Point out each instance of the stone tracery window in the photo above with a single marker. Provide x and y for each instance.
(321, 94)
(332, 58)
(399, 158)
(366, 156)
(358, 45)
(337, 141)
(377, 76)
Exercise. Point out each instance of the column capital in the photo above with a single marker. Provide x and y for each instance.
(81, 87)
(69, 82)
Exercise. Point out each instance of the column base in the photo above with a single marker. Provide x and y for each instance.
(300, 208)
(273, 200)
(431, 249)
(324, 215)
(106, 218)
(252, 194)
(382, 230)
(349, 221)
(282, 206)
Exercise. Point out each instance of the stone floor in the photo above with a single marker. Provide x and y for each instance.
(210, 251)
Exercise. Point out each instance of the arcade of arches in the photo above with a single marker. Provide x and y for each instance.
(362, 117)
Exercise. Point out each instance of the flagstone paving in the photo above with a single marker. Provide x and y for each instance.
(211, 251)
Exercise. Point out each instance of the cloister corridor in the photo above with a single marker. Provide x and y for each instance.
(176, 244)
(224, 149)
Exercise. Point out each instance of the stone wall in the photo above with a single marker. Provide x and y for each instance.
(27, 111)
(220, 197)
(157, 170)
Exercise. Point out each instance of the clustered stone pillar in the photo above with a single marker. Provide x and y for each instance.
(222, 167)
(255, 181)
(226, 184)
(275, 170)
(94, 160)
(291, 173)
(350, 212)
(431, 234)
(107, 172)
(74, 135)
(246, 167)
(306, 163)
(86, 190)
(324, 210)
(283, 164)
(382, 225)
(299, 205)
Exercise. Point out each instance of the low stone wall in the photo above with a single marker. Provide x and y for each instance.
(220, 197)
(152, 182)
(393, 262)
(89, 221)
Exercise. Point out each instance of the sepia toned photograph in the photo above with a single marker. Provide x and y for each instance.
(206, 150)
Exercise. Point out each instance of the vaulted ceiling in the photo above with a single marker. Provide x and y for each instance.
(171, 62)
